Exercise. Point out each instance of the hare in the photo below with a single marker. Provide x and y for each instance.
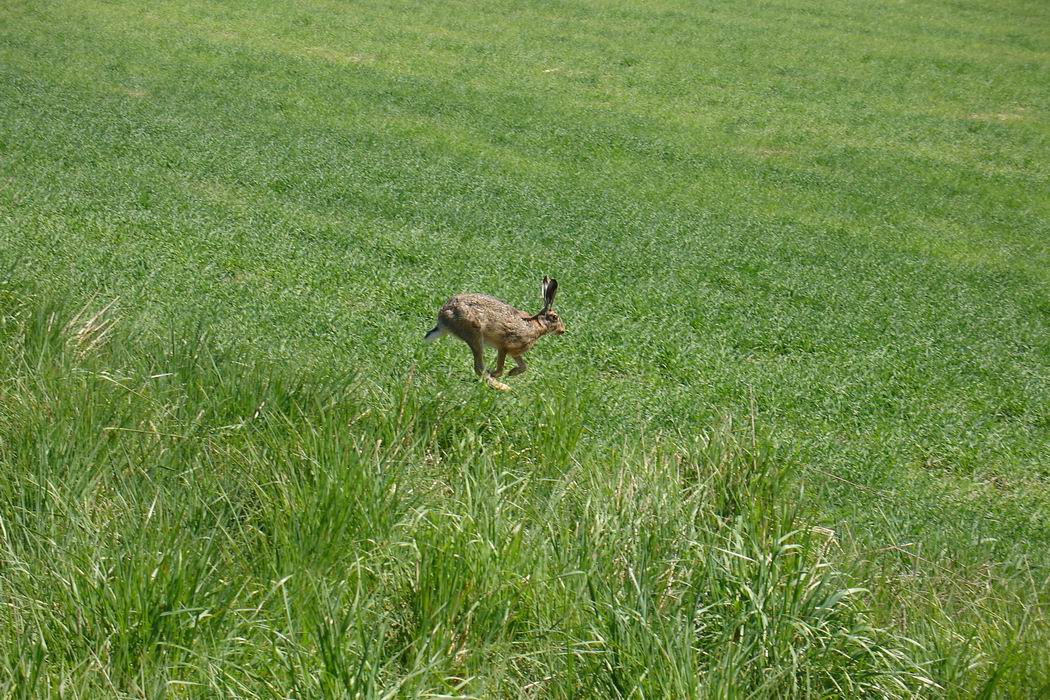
(480, 320)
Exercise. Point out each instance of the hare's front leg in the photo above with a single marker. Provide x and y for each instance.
(501, 357)
(521, 366)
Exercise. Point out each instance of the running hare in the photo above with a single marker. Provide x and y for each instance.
(480, 320)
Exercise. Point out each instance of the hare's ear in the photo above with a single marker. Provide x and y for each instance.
(543, 291)
(548, 297)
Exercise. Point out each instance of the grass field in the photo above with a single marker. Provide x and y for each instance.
(795, 443)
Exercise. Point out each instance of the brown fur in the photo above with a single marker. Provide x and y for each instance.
(480, 320)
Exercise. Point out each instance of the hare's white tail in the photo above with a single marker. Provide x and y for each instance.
(434, 333)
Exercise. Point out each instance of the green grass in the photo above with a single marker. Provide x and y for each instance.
(829, 221)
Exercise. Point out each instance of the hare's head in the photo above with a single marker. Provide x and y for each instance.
(550, 320)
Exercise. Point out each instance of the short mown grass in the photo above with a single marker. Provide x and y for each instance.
(796, 441)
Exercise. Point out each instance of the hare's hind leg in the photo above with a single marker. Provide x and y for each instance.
(501, 357)
(479, 367)
(477, 345)
(478, 348)
(473, 339)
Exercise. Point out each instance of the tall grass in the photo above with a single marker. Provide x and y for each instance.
(178, 522)
(237, 471)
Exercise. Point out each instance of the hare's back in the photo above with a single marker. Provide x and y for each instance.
(479, 310)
